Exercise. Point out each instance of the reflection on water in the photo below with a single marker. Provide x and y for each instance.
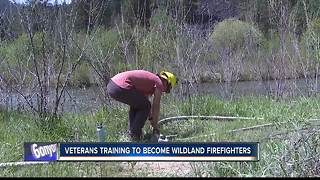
(90, 99)
(73, 100)
(285, 88)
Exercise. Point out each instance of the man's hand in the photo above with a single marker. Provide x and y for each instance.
(156, 131)
(155, 135)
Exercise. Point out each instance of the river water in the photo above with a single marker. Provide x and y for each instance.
(90, 99)
(284, 88)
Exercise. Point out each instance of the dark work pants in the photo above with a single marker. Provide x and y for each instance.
(139, 107)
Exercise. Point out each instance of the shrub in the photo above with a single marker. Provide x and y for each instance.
(235, 46)
(233, 34)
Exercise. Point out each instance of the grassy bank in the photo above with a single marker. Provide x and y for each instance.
(289, 148)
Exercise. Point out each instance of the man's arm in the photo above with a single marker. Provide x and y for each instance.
(156, 111)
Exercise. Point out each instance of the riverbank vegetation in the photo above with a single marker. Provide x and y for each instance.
(290, 147)
(46, 48)
(245, 45)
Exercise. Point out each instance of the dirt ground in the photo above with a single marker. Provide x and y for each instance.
(159, 169)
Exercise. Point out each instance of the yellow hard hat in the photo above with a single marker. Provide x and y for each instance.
(171, 78)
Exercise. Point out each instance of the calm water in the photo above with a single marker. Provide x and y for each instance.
(286, 88)
(89, 99)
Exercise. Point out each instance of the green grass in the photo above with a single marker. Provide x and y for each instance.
(285, 149)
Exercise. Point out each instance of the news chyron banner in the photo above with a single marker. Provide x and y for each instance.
(248, 151)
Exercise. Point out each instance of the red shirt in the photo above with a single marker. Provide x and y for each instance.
(144, 81)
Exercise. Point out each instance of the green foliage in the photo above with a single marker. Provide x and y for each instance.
(106, 45)
(153, 48)
(304, 10)
(21, 48)
(105, 40)
(17, 56)
(311, 40)
(163, 23)
(233, 34)
(257, 10)
(101, 43)
(81, 77)
(157, 46)
(273, 45)
(13, 52)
